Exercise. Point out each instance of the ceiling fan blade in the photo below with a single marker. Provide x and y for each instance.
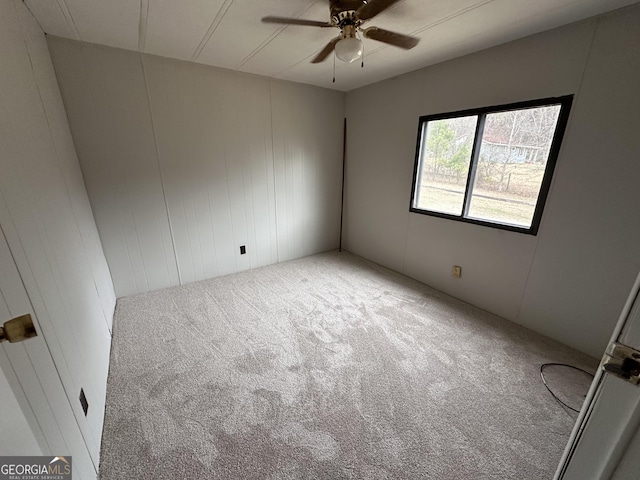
(392, 38)
(296, 21)
(373, 8)
(326, 51)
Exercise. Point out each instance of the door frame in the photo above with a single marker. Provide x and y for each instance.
(610, 414)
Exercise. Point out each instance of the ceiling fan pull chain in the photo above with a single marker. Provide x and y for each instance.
(362, 59)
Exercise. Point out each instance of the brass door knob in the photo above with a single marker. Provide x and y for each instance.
(18, 329)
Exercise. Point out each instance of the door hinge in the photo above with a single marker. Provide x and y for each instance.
(622, 361)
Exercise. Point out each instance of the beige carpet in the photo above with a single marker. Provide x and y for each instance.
(329, 367)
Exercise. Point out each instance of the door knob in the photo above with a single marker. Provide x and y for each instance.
(18, 329)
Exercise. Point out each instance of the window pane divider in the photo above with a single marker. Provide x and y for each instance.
(418, 169)
(473, 164)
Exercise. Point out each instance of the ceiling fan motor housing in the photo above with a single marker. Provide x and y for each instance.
(344, 11)
(349, 16)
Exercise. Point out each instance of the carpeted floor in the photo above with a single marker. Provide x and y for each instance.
(329, 367)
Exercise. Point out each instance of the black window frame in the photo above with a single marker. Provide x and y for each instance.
(565, 103)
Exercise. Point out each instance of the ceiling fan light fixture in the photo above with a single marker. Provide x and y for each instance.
(349, 49)
(348, 16)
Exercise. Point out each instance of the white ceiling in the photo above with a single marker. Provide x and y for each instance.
(229, 33)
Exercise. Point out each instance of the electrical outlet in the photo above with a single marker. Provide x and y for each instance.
(243, 249)
(456, 271)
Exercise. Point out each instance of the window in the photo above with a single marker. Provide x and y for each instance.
(490, 166)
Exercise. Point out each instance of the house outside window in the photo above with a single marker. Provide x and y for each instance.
(490, 166)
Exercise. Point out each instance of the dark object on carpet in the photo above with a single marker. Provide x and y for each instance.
(584, 377)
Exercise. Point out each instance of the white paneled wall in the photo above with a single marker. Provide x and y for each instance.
(213, 129)
(570, 281)
(47, 220)
(307, 130)
(185, 163)
(115, 143)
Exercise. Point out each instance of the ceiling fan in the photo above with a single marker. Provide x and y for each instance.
(349, 16)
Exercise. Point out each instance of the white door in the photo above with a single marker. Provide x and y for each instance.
(22, 438)
(38, 400)
(605, 443)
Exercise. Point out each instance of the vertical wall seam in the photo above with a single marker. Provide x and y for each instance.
(133, 275)
(198, 238)
(129, 214)
(213, 233)
(243, 169)
(142, 25)
(253, 211)
(225, 153)
(233, 230)
(68, 16)
(406, 242)
(183, 203)
(265, 136)
(82, 174)
(567, 134)
(273, 169)
(135, 230)
(157, 150)
(195, 81)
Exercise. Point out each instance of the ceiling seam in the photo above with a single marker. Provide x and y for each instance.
(142, 26)
(256, 50)
(271, 38)
(212, 28)
(440, 21)
(66, 13)
(277, 74)
(453, 15)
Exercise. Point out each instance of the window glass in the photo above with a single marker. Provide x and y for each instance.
(490, 166)
(511, 165)
(446, 153)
